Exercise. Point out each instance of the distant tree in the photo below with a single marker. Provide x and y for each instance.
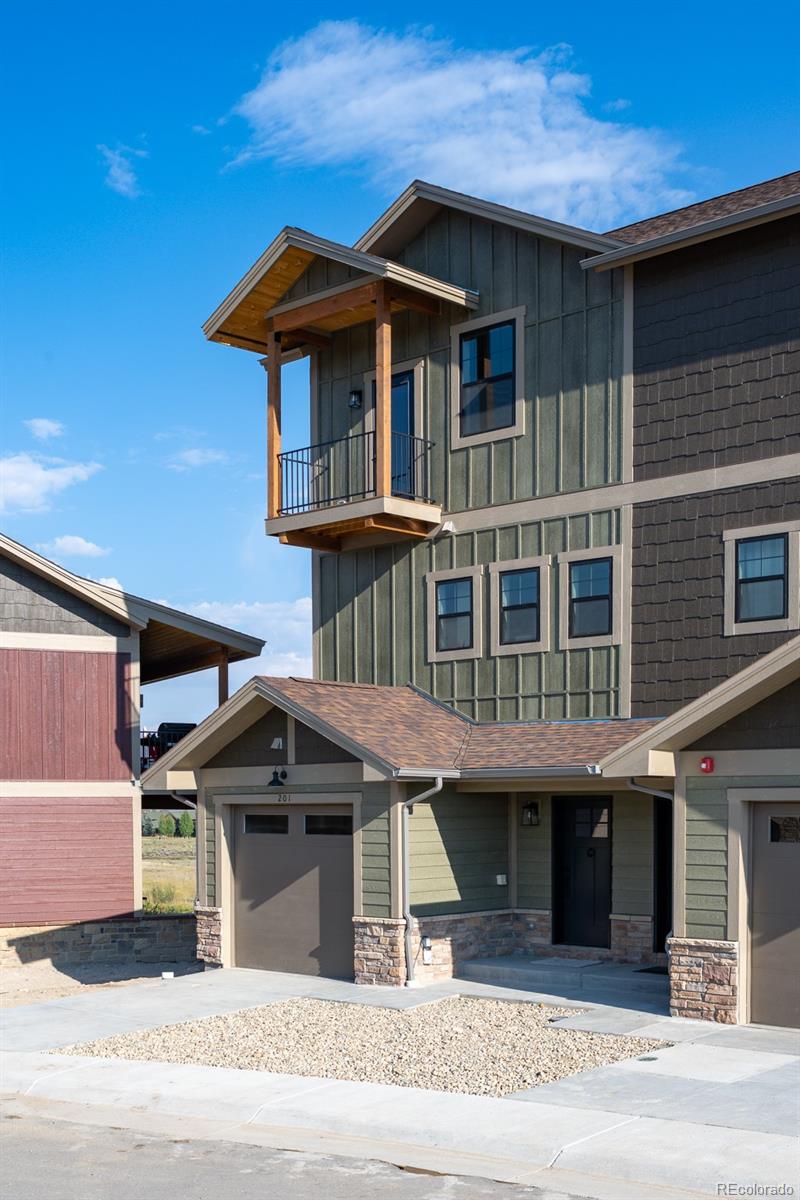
(166, 826)
(149, 826)
(185, 825)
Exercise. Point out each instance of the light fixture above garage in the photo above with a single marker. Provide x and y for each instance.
(278, 778)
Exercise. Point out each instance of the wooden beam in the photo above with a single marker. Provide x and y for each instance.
(316, 310)
(312, 337)
(273, 424)
(311, 541)
(383, 391)
(421, 301)
(222, 676)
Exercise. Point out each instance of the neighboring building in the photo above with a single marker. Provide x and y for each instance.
(553, 495)
(73, 655)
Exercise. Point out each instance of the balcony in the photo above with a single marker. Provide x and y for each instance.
(328, 497)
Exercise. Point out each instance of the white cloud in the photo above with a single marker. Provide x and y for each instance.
(109, 581)
(616, 105)
(284, 624)
(28, 482)
(44, 428)
(507, 125)
(198, 456)
(120, 174)
(201, 129)
(72, 545)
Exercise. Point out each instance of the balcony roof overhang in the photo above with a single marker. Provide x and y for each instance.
(256, 306)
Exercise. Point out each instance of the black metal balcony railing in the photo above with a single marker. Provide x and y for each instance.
(334, 472)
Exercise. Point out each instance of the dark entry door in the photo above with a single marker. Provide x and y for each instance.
(662, 846)
(293, 889)
(403, 453)
(582, 870)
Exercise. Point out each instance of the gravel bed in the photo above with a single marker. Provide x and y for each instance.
(460, 1044)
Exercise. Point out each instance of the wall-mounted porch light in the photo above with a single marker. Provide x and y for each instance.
(530, 813)
(355, 398)
(277, 778)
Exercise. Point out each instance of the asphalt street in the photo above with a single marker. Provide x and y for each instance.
(54, 1160)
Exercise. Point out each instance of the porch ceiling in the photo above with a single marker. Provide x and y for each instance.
(252, 309)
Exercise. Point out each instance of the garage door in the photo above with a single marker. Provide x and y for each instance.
(775, 915)
(293, 889)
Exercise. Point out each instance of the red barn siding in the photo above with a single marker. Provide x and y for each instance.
(65, 715)
(65, 859)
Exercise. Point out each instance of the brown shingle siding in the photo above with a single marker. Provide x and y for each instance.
(716, 353)
(678, 649)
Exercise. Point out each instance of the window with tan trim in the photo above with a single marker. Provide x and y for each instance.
(519, 605)
(454, 614)
(487, 384)
(590, 590)
(762, 578)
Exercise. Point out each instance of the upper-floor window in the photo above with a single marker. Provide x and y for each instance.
(454, 618)
(486, 385)
(487, 379)
(454, 614)
(591, 602)
(519, 606)
(762, 578)
(590, 592)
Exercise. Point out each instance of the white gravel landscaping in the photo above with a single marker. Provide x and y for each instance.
(460, 1044)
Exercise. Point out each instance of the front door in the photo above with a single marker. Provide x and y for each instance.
(293, 889)
(775, 915)
(403, 453)
(582, 870)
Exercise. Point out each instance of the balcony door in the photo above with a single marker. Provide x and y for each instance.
(403, 455)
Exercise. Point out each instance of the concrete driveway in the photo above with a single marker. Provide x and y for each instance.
(719, 1106)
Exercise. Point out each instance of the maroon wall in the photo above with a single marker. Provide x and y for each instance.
(65, 859)
(64, 715)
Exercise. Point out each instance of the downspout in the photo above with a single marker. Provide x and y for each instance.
(407, 806)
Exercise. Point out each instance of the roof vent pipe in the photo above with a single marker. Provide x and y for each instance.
(407, 806)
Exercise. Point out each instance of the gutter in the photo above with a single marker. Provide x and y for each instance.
(407, 806)
(638, 787)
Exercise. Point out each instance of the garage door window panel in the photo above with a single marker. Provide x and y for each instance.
(276, 823)
(336, 824)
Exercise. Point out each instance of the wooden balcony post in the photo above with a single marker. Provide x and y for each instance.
(383, 390)
(273, 365)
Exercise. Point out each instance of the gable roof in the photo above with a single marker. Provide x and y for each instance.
(415, 207)
(726, 205)
(239, 319)
(169, 638)
(652, 752)
(404, 733)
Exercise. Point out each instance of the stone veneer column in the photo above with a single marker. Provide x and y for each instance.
(379, 951)
(632, 939)
(209, 933)
(703, 979)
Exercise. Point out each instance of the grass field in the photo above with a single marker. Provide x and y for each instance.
(168, 874)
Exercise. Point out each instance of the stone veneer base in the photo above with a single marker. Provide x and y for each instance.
(116, 940)
(209, 934)
(704, 979)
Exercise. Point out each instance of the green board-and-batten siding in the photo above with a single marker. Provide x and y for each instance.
(458, 846)
(372, 624)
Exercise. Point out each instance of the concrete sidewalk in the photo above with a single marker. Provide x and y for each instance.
(715, 1107)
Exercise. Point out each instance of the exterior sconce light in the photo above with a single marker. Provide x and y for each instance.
(427, 950)
(707, 765)
(530, 814)
(355, 398)
(277, 778)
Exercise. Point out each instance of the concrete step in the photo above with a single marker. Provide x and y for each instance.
(562, 974)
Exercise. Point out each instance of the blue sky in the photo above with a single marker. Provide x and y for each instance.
(153, 151)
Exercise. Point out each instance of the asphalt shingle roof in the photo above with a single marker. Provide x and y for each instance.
(411, 731)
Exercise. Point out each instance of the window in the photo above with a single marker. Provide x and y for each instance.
(329, 823)
(761, 578)
(593, 597)
(519, 606)
(487, 386)
(591, 822)
(266, 822)
(487, 379)
(454, 614)
(590, 585)
(784, 829)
